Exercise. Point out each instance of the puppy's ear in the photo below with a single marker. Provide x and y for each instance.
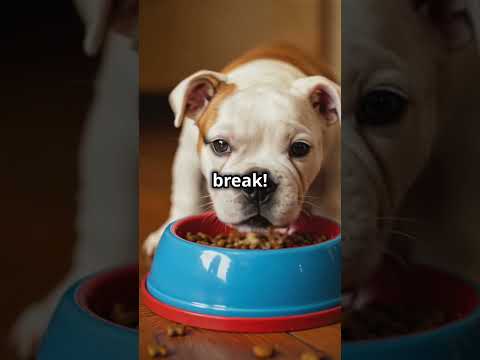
(457, 20)
(323, 94)
(101, 15)
(191, 97)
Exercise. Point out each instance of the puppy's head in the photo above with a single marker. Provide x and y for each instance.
(393, 58)
(263, 129)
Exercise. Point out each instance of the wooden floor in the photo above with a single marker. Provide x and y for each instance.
(157, 148)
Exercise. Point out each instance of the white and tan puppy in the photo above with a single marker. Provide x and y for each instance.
(401, 114)
(269, 111)
(107, 212)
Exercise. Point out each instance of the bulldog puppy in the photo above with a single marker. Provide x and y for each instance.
(270, 111)
(107, 211)
(400, 114)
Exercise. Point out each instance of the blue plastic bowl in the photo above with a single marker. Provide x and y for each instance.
(458, 339)
(80, 328)
(218, 284)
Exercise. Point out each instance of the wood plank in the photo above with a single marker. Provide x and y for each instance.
(326, 338)
(200, 344)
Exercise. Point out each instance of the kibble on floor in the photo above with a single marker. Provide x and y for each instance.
(170, 331)
(157, 351)
(180, 330)
(175, 330)
(310, 355)
(263, 351)
(260, 351)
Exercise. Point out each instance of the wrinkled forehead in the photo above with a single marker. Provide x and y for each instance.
(258, 110)
(388, 42)
(379, 20)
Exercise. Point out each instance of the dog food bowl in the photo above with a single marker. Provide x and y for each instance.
(459, 338)
(245, 290)
(80, 327)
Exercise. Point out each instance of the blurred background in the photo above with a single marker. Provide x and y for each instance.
(180, 37)
(46, 90)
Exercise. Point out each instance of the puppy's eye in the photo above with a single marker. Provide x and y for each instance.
(381, 107)
(299, 149)
(220, 147)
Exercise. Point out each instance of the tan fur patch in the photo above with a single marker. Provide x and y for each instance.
(285, 53)
(208, 118)
(281, 52)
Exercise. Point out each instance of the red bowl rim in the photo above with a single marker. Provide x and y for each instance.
(334, 232)
(470, 300)
(240, 324)
(95, 282)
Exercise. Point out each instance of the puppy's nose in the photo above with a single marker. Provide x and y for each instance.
(261, 195)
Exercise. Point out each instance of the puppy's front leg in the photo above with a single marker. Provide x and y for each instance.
(186, 183)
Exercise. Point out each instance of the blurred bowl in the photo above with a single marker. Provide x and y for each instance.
(419, 285)
(245, 290)
(81, 327)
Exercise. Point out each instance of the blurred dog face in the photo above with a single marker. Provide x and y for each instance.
(103, 16)
(390, 119)
(263, 129)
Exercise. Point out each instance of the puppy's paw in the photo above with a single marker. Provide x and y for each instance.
(29, 328)
(152, 240)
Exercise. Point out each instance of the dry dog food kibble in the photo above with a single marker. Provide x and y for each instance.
(263, 351)
(180, 330)
(123, 315)
(170, 331)
(157, 351)
(177, 330)
(310, 355)
(380, 321)
(273, 239)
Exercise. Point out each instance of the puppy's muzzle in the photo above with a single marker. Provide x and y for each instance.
(260, 195)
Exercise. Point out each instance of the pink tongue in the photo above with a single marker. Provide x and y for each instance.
(299, 223)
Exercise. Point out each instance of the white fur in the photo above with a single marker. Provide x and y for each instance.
(275, 73)
(269, 109)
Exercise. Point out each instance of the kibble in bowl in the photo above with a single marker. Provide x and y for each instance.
(271, 240)
(207, 275)
(379, 321)
(96, 319)
(416, 313)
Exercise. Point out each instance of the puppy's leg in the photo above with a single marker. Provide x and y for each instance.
(186, 183)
